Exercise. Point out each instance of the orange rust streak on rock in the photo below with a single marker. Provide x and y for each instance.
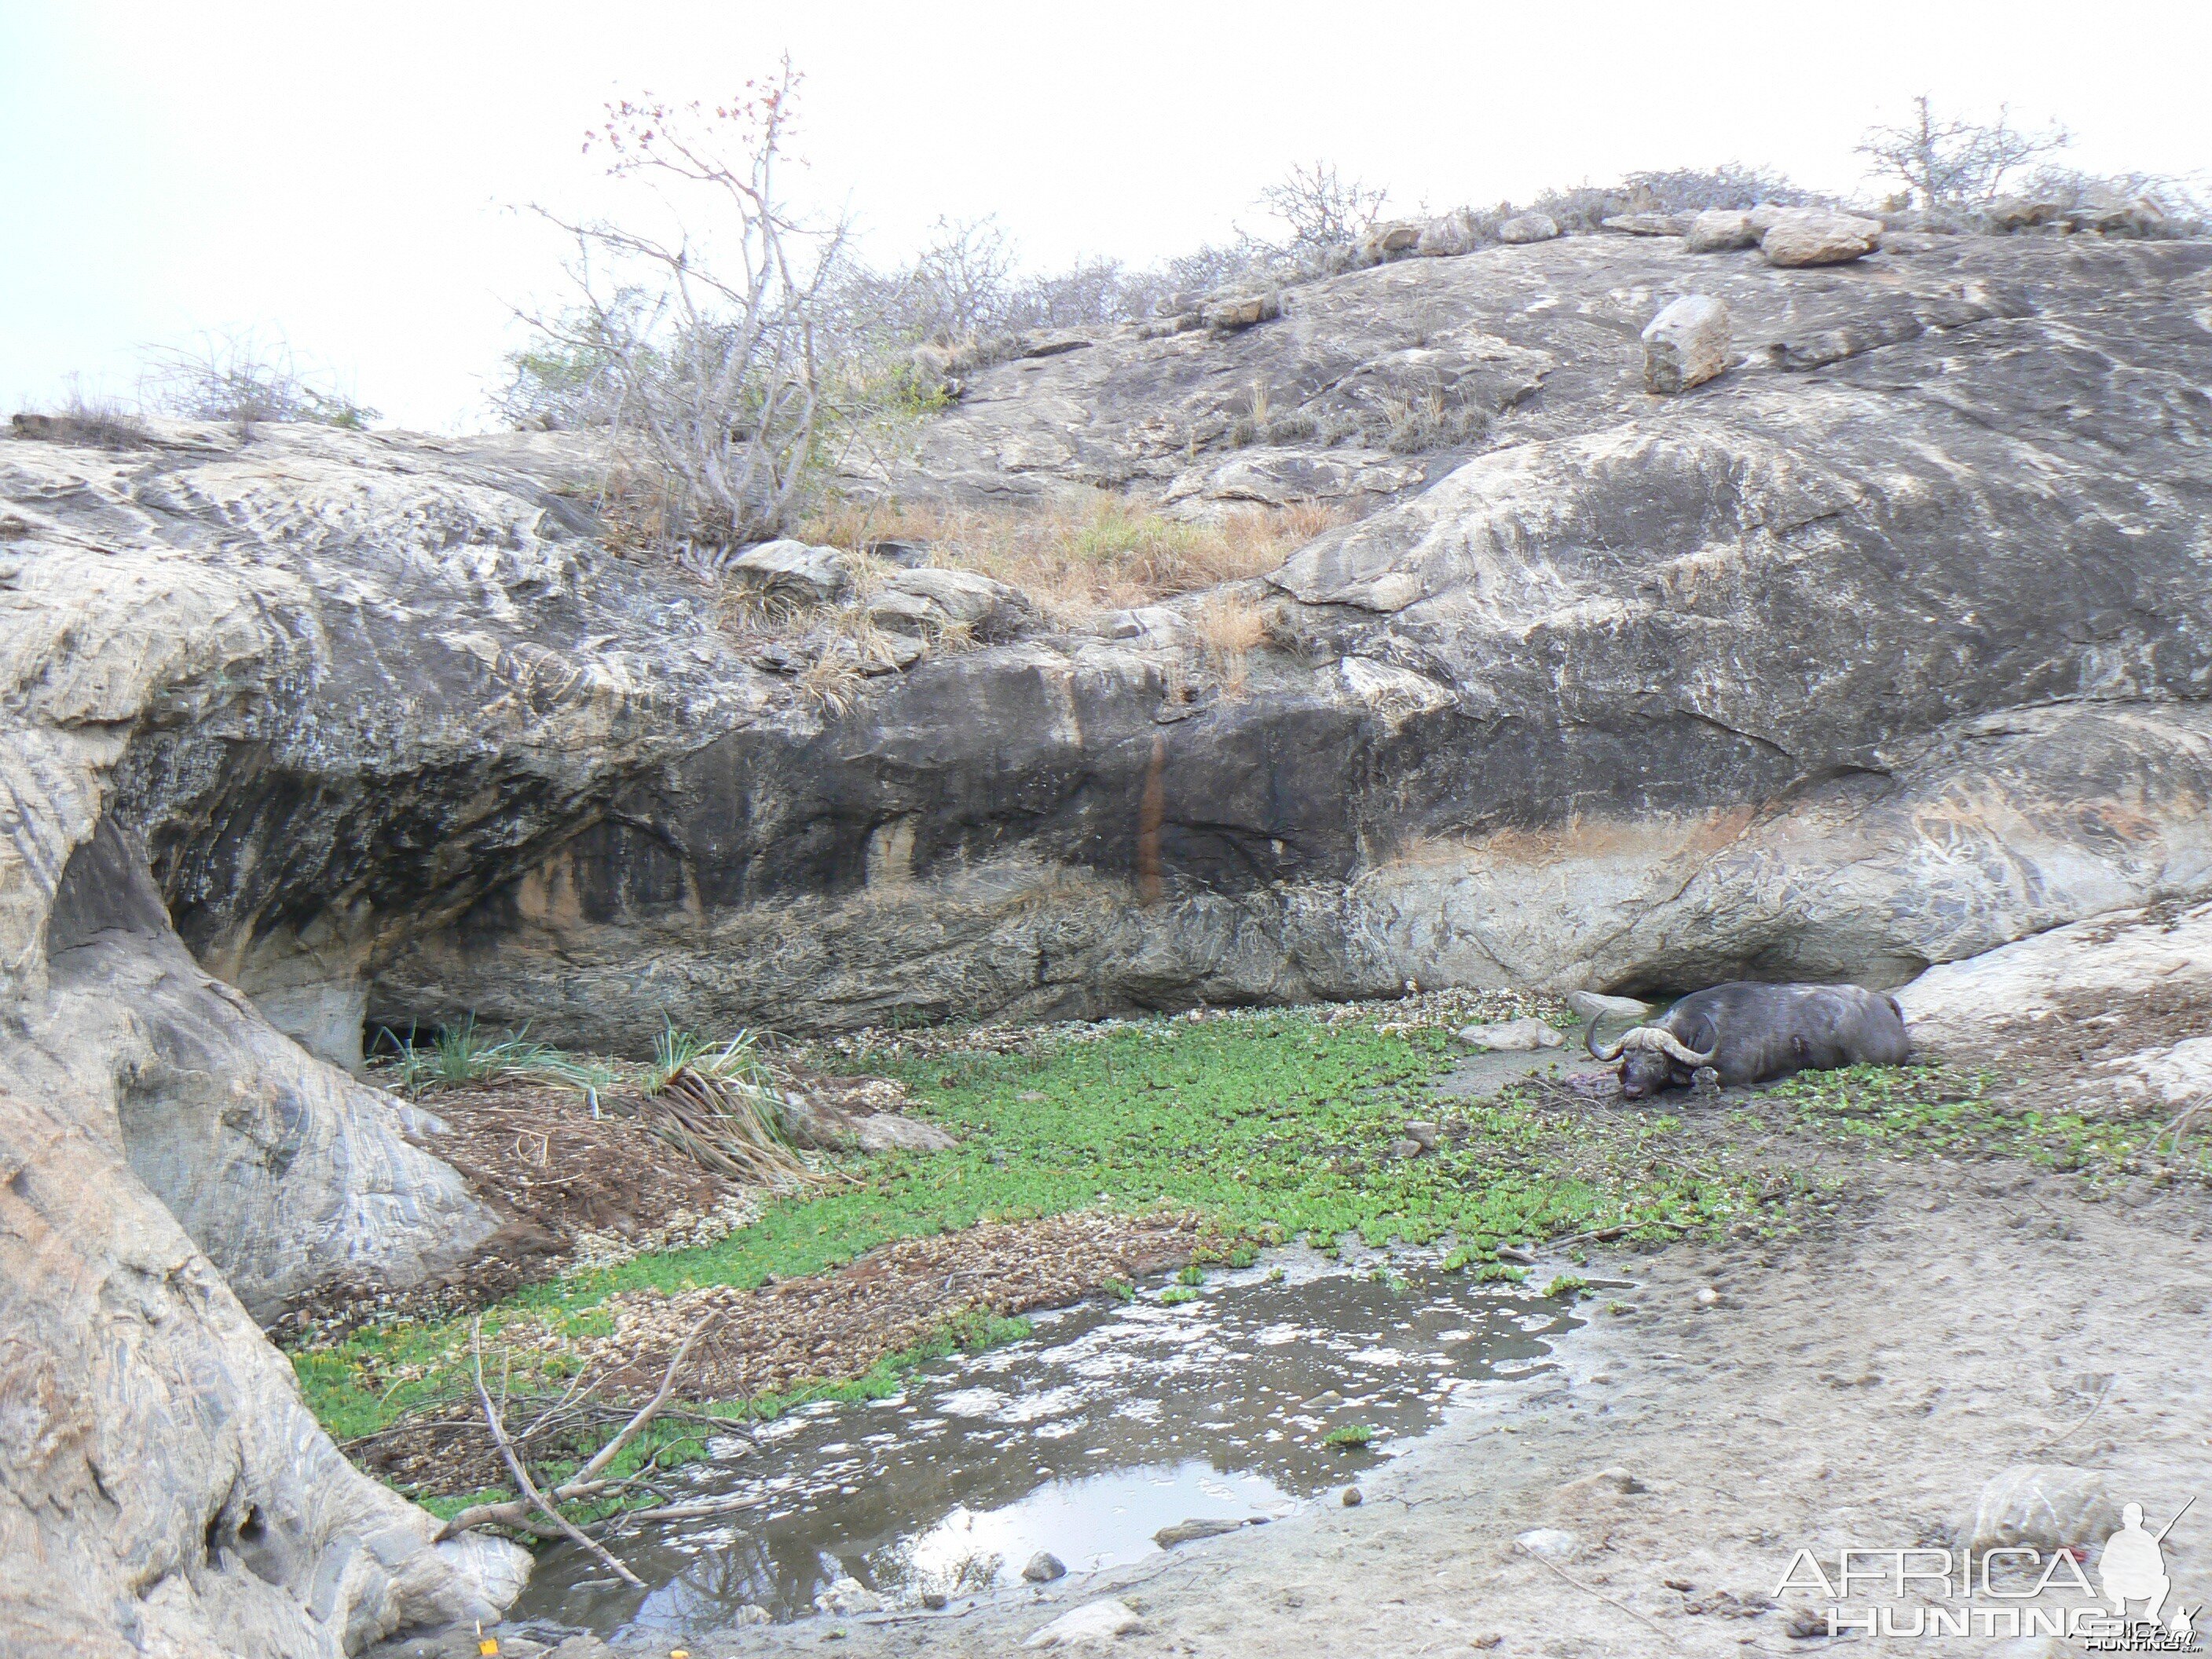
(1152, 810)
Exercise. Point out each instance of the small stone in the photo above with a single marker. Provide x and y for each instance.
(1094, 1621)
(1805, 1623)
(1550, 1544)
(1487, 1639)
(1243, 311)
(1512, 1036)
(1392, 236)
(2045, 1506)
(846, 1597)
(792, 568)
(1453, 234)
(1708, 1297)
(1405, 1148)
(1044, 1566)
(935, 1599)
(1686, 344)
(754, 1613)
(912, 600)
(1323, 1401)
(1352, 1499)
(1524, 227)
(1427, 1134)
(1593, 1007)
(1611, 1479)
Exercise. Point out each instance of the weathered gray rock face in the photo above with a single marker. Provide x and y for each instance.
(286, 1171)
(1867, 659)
(162, 1490)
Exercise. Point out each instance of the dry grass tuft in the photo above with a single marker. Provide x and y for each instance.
(1076, 558)
(1231, 627)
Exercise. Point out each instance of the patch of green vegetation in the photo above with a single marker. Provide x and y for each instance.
(467, 1053)
(1501, 1273)
(1269, 1126)
(1194, 1275)
(1175, 1295)
(1350, 1437)
(1916, 1108)
(1567, 1284)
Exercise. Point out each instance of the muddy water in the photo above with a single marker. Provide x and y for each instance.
(1109, 1423)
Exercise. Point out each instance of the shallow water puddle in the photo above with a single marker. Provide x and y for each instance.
(1109, 1423)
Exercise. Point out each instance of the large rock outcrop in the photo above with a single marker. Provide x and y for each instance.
(1884, 647)
(170, 1165)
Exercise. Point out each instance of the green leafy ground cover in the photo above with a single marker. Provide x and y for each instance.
(1272, 1127)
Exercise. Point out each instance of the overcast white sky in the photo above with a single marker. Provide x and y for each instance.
(345, 177)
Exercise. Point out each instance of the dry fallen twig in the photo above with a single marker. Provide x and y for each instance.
(525, 1513)
(1590, 1589)
(535, 1499)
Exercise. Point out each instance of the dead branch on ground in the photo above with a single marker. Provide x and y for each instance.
(536, 1511)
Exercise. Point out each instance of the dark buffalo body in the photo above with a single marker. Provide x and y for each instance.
(1751, 1033)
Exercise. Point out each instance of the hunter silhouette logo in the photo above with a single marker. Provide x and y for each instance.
(2132, 1566)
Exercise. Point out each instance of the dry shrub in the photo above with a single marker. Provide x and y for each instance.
(1231, 627)
(1077, 557)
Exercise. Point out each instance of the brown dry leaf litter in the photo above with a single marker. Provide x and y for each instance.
(538, 1153)
(890, 1301)
(555, 1176)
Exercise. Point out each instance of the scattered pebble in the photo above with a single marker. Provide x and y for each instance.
(1352, 1499)
(1044, 1566)
(1550, 1544)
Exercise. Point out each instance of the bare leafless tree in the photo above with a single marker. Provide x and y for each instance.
(961, 283)
(1323, 209)
(1952, 163)
(703, 338)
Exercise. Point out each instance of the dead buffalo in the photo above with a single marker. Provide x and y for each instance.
(1750, 1033)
